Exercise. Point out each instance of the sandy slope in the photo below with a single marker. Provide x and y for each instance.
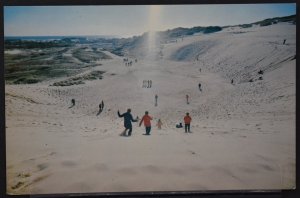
(243, 135)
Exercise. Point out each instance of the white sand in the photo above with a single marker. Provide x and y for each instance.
(243, 135)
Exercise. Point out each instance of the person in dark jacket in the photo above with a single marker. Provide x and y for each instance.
(127, 122)
(101, 106)
(73, 103)
(199, 85)
(156, 97)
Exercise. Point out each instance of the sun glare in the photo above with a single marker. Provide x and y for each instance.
(154, 15)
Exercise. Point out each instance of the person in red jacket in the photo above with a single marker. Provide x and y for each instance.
(187, 122)
(146, 118)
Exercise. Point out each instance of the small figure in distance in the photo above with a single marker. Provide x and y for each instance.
(187, 99)
(260, 72)
(159, 124)
(147, 122)
(284, 41)
(199, 85)
(101, 106)
(187, 122)
(232, 81)
(127, 122)
(156, 97)
(73, 103)
(179, 125)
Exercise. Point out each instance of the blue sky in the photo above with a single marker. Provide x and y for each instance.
(125, 21)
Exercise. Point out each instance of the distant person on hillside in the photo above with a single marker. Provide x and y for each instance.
(73, 103)
(187, 99)
(284, 41)
(149, 83)
(199, 85)
(101, 106)
(146, 119)
(156, 97)
(231, 81)
(187, 122)
(159, 124)
(127, 122)
(261, 72)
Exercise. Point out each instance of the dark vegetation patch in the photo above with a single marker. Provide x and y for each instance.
(266, 22)
(21, 44)
(36, 65)
(94, 75)
(89, 56)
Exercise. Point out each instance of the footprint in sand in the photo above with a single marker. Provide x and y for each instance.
(192, 152)
(42, 166)
(267, 167)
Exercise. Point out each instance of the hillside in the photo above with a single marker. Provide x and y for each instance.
(243, 117)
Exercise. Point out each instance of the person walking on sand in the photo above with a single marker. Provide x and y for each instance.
(147, 123)
(187, 99)
(159, 124)
(187, 122)
(199, 85)
(156, 97)
(127, 122)
(101, 106)
(73, 103)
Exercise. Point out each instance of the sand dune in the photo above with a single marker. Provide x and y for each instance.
(243, 134)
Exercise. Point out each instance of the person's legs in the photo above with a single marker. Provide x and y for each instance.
(129, 132)
(185, 127)
(148, 129)
(123, 133)
(188, 127)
